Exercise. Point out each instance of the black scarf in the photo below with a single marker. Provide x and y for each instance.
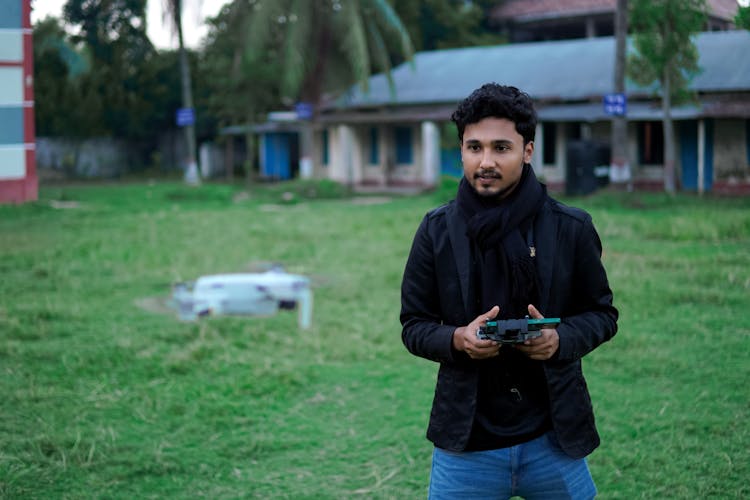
(498, 230)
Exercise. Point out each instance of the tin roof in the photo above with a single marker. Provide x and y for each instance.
(555, 71)
(520, 10)
(530, 10)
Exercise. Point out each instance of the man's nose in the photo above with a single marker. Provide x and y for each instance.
(487, 159)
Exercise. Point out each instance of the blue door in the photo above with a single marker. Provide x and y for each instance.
(279, 153)
(689, 155)
(450, 162)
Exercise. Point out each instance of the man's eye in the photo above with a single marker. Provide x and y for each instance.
(502, 148)
(474, 147)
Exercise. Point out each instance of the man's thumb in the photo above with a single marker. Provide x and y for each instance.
(492, 312)
(534, 313)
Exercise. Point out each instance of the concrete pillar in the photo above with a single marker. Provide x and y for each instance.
(701, 155)
(430, 154)
(348, 164)
(537, 159)
(590, 27)
(262, 153)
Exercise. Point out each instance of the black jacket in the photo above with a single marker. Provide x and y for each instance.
(435, 295)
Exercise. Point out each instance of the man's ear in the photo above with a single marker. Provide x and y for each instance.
(528, 151)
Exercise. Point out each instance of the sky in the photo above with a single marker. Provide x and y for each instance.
(159, 33)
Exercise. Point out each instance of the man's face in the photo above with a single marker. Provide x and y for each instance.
(493, 154)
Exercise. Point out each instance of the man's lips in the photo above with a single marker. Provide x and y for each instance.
(489, 175)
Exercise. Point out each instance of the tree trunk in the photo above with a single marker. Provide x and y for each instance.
(669, 140)
(311, 93)
(192, 175)
(619, 172)
(249, 151)
(229, 157)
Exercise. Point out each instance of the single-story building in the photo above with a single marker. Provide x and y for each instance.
(538, 20)
(382, 138)
(18, 179)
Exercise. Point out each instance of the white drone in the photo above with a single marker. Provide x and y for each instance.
(254, 294)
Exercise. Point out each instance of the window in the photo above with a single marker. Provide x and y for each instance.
(324, 148)
(403, 145)
(650, 143)
(549, 143)
(374, 146)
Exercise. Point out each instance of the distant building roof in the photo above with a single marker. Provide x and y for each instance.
(723, 9)
(533, 10)
(559, 71)
(521, 10)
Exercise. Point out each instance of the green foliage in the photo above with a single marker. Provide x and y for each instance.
(325, 44)
(444, 24)
(110, 27)
(103, 395)
(247, 90)
(446, 189)
(742, 20)
(110, 96)
(56, 63)
(662, 32)
(109, 83)
(113, 35)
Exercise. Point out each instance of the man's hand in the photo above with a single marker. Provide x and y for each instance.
(465, 338)
(542, 347)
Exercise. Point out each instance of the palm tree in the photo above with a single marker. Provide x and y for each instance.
(173, 8)
(325, 44)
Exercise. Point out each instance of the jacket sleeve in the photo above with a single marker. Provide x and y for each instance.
(424, 334)
(594, 319)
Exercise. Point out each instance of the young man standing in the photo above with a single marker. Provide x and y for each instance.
(506, 419)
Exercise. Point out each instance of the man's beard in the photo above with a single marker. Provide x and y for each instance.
(491, 173)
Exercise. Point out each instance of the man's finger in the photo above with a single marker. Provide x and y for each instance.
(534, 312)
(491, 313)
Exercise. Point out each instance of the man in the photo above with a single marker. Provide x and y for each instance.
(506, 419)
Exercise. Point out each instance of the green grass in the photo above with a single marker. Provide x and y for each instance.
(101, 398)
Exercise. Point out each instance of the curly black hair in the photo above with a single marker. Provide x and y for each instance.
(497, 101)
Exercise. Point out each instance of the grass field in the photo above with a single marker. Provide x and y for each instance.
(101, 397)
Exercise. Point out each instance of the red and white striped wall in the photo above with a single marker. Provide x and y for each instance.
(18, 178)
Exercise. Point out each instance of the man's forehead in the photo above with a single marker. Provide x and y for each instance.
(492, 140)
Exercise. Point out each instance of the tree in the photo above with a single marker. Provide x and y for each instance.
(317, 37)
(56, 64)
(111, 36)
(174, 9)
(742, 20)
(247, 89)
(98, 75)
(444, 24)
(665, 53)
(620, 167)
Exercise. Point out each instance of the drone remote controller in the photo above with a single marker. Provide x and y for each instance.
(515, 331)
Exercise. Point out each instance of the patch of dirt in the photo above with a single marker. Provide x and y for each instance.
(158, 305)
(64, 205)
(371, 200)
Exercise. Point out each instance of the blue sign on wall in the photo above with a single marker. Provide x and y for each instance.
(185, 117)
(304, 110)
(615, 104)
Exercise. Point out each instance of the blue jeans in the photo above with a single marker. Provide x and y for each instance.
(537, 469)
